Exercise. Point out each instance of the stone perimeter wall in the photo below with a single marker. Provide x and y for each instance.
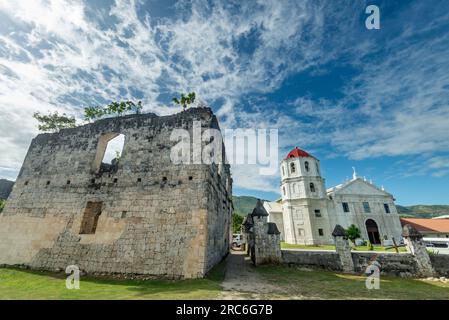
(157, 218)
(402, 264)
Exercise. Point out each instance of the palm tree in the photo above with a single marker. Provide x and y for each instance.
(185, 100)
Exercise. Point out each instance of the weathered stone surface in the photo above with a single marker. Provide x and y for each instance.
(315, 259)
(263, 238)
(440, 263)
(157, 218)
(416, 247)
(343, 249)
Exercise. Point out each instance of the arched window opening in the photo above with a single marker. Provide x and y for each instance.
(312, 187)
(292, 168)
(306, 165)
(109, 151)
(283, 171)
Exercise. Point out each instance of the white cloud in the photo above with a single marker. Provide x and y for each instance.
(71, 61)
(63, 55)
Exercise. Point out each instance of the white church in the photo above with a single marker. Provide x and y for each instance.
(307, 213)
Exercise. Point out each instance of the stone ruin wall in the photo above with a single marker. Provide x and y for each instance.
(157, 218)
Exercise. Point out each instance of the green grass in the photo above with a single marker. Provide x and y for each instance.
(296, 283)
(24, 284)
(332, 247)
(287, 283)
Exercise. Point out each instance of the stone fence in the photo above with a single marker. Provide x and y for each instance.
(415, 263)
(399, 264)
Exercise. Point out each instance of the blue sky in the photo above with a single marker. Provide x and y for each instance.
(374, 99)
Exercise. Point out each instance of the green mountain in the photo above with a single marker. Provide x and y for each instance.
(245, 204)
(423, 211)
(5, 188)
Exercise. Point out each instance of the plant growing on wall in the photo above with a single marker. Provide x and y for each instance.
(117, 108)
(2, 204)
(185, 100)
(53, 122)
(353, 233)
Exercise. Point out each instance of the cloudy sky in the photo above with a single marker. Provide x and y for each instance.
(374, 99)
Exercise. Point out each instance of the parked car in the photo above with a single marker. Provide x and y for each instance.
(236, 240)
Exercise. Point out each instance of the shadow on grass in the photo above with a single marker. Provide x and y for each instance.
(330, 285)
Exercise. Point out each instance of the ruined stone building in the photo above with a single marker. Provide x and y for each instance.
(141, 214)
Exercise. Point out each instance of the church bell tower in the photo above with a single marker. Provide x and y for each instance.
(304, 199)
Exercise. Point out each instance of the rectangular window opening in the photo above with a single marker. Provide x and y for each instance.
(366, 207)
(90, 217)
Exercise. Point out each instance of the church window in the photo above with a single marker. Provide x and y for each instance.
(320, 232)
(306, 165)
(283, 190)
(366, 207)
(292, 168)
(318, 213)
(283, 171)
(312, 187)
(300, 232)
(317, 169)
(387, 208)
(345, 207)
(90, 217)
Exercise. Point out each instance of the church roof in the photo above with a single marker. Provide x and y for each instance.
(346, 184)
(273, 206)
(298, 153)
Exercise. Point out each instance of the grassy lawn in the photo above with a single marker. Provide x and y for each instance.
(287, 283)
(332, 247)
(296, 283)
(24, 284)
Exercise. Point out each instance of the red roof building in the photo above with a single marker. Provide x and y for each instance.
(298, 153)
(429, 227)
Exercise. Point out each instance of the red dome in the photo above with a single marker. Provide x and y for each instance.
(297, 153)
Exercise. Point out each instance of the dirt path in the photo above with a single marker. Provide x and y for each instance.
(242, 281)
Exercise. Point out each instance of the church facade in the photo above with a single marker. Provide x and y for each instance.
(307, 212)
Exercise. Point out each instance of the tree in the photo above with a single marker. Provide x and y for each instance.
(237, 221)
(114, 108)
(353, 233)
(185, 100)
(53, 122)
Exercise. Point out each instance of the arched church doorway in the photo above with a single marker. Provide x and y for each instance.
(373, 231)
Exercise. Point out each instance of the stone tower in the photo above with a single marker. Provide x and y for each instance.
(304, 199)
(142, 214)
